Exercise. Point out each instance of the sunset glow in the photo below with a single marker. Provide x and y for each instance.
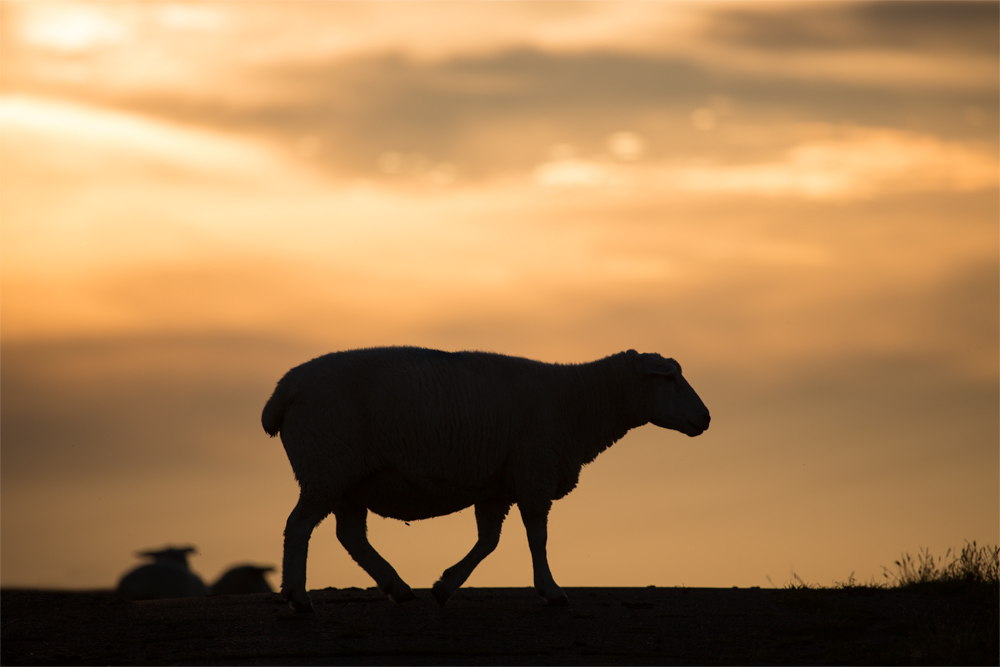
(798, 201)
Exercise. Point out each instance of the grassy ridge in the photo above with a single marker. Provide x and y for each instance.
(971, 574)
(969, 582)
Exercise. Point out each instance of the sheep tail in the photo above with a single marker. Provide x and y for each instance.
(273, 416)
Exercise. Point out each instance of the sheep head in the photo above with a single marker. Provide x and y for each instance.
(673, 403)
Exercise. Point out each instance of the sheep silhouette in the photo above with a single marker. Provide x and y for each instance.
(243, 580)
(412, 433)
(168, 576)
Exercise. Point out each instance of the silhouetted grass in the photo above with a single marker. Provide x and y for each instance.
(962, 623)
(968, 639)
(975, 566)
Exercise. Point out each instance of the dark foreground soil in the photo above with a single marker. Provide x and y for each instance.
(493, 626)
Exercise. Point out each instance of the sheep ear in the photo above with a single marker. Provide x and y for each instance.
(654, 364)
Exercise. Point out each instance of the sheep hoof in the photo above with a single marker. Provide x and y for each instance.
(406, 596)
(298, 605)
(440, 593)
(301, 608)
(555, 598)
(401, 596)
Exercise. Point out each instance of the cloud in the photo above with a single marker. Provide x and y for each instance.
(114, 243)
(962, 27)
(888, 44)
(852, 163)
(469, 104)
(119, 133)
(188, 47)
(497, 115)
(833, 163)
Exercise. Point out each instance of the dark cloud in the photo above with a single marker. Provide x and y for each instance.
(501, 112)
(955, 27)
(490, 114)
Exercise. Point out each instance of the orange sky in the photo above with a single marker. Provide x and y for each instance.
(798, 201)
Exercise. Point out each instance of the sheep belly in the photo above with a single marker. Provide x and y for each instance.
(413, 495)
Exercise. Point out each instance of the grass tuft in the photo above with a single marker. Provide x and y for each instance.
(972, 576)
(974, 566)
(965, 629)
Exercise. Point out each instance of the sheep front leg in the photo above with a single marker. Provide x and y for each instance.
(352, 529)
(489, 521)
(298, 529)
(535, 518)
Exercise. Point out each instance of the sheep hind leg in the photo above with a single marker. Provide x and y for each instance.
(298, 529)
(489, 521)
(535, 518)
(352, 528)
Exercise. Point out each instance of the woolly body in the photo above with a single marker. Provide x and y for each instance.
(411, 433)
(243, 580)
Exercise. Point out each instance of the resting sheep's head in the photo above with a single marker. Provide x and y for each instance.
(674, 404)
(169, 555)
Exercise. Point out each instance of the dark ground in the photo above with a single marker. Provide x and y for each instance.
(494, 626)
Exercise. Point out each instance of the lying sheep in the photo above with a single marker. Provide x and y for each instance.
(168, 576)
(243, 580)
(411, 433)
